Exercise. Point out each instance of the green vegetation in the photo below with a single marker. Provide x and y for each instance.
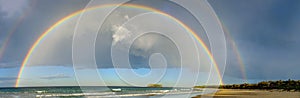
(154, 85)
(288, 85)
(200, 86)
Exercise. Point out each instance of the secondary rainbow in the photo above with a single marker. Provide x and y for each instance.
(11, 32)
(237, 53)
(44, 34)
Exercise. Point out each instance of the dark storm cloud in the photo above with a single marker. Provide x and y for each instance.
(42, 15)
(265, 32)
(10, 16)
(26, 21)
(60, 42)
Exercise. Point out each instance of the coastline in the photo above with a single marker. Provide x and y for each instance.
(243, 93)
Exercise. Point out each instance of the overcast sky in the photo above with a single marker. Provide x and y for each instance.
(266, 33)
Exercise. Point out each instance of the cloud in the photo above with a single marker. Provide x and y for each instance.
(141, 46)
(265, 36)
(120, 33)
(10, 65)
(13, 7)
(35, 20)
(57, 76)
(56, 48)
(126, 17)
(7, 81)
(7, 78)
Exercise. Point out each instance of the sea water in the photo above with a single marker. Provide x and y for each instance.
(98, 92)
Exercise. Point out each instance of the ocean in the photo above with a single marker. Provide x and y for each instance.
(98, 92)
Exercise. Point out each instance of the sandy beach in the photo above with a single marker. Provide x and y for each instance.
(233, 93)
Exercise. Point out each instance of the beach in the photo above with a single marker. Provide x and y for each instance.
(237, 93)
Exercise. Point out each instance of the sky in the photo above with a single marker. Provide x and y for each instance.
(265, 33)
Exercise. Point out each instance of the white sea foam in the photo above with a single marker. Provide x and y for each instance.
(114, 94)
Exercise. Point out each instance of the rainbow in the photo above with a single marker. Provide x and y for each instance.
(237, 53)
(11, 32)
(44, 34)
(5, 43)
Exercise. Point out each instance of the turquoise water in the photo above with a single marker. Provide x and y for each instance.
(98, 92)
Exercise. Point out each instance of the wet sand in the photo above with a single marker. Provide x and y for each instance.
(233, 93)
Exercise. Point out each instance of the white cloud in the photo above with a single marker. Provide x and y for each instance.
(126, 17)
(57, 76)
(141, 46)
(120, 33)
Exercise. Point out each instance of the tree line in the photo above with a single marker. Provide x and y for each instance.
(288, 85)
(154, 85)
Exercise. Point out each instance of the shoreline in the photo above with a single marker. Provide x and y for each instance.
(248, 93)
